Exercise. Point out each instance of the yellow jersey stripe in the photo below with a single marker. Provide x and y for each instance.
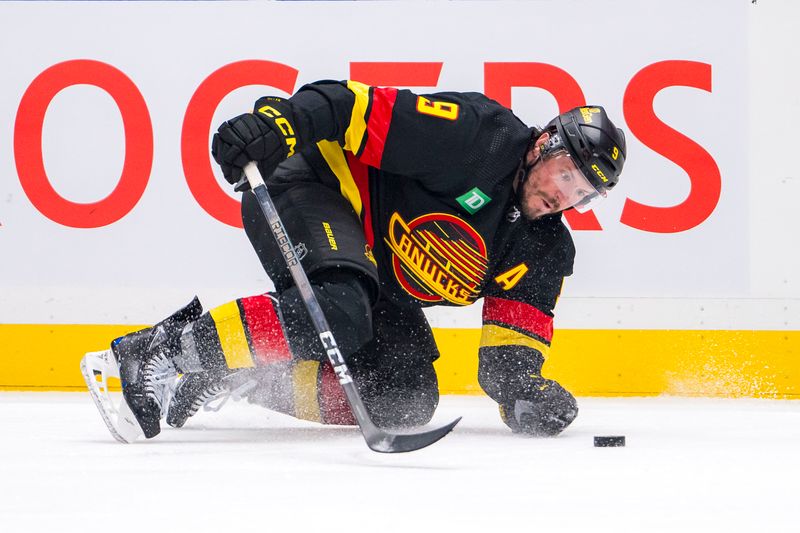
(304, 381)
(334, 156)
(231, 334)
(354, 135)
(493, 335)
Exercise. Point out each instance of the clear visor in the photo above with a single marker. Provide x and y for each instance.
(573, 188)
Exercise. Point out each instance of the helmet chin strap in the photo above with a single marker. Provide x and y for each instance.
(524, 169)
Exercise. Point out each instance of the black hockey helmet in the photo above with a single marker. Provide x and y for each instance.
(596, 146)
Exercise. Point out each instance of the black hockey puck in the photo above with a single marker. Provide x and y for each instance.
(609, 442)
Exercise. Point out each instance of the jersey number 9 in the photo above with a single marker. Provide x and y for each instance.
(446, 110)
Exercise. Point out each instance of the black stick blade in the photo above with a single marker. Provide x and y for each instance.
(385, 442)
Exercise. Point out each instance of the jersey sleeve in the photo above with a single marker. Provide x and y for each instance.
(518, 316)
(400, 132)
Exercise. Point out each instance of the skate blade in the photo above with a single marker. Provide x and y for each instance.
(119, 420)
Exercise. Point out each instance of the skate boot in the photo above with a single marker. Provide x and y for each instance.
(208, 390)
(143, 361)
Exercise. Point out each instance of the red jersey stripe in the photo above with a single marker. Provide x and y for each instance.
(380, 116)
(519, 315)
(360, 174)
(266, 335)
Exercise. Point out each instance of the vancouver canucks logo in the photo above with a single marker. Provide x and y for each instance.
(437, 257)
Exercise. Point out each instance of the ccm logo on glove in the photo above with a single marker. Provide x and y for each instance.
(283, 125)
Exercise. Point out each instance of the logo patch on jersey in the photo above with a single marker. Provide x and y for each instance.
(473, 200)
(511, 277)
(513, 214)
(437, 257)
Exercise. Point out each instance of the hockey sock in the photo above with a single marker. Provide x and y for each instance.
(262, 330)
(240, 334)
(308, 390)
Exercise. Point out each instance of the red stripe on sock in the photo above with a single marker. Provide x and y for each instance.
(266, 335)
(333, 406)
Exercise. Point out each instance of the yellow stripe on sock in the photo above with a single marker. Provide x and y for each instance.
(230, 329)
(306, 402)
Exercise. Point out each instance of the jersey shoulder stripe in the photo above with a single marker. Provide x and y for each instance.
(380, 117)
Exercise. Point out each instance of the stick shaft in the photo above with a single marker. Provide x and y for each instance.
(307, 293)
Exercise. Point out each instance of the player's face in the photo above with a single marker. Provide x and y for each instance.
(553, 185)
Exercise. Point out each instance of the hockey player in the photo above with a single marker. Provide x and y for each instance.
(394, 201)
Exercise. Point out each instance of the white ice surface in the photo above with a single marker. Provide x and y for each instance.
(689, 465)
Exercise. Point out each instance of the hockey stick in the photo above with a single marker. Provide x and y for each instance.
(377, 439)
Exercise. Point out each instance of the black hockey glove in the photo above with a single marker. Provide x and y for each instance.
(267, 136)
(548, 410)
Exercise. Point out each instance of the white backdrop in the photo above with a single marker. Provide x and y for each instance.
(718, 272)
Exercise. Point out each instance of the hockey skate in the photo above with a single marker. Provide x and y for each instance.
(143, 363)
(210, 391)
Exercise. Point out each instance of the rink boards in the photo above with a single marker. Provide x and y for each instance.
(588, 362)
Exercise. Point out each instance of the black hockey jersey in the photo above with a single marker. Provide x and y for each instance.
(431, 177)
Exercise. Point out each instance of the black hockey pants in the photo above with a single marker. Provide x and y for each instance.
(389, 350)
